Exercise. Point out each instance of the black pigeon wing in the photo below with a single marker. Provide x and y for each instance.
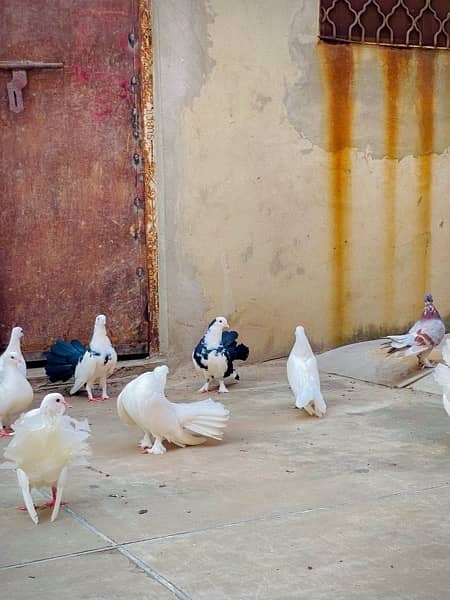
(229, 338)
(200, 353)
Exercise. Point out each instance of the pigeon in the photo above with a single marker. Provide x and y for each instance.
(423, 336)
(45, 444)
(303, 376)
(14, 346)
(94, 363)
(142, 403)
(442, 376)
(215, 353)
(16, 393)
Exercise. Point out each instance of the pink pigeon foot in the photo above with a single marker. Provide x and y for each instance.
(51, 503)
(6, 432)
(96, 399)
(23, 508)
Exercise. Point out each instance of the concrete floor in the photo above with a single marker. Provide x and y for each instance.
(353, 506)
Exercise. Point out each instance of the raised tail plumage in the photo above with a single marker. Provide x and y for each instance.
(205, 418)
(235, 351)
(63, 358)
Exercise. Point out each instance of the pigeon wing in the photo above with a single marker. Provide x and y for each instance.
(85, 371)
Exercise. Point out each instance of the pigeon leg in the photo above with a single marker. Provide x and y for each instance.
(424, 362)
(91, 397)
(222, 387)
(157, 448)
(205, 388)
(146, 441)
(309, 408)
(25, 487)
(103, 384)
(59, 490)
(51, 502)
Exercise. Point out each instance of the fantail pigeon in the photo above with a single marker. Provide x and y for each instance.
(142, 403)
(89, 365)
(45, 444)
(215, 353)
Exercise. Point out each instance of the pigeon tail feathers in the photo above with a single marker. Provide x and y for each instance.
(239, 352)
(62, 359)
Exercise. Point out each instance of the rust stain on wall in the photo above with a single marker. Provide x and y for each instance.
(425, 83)
(338, 64)
(395, 66)
(146, 57)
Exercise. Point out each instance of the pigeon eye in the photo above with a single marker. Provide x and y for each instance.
(57, 399)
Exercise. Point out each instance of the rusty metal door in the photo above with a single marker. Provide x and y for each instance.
(72, 213)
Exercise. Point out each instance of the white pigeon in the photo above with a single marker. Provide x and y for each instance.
(89, 365)
(45, 444)
(303, 376)
(424, 335)
(142, 403)
(442, 376)
(16, 393)
(14, 346)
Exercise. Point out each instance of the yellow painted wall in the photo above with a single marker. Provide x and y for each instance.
(298, 182)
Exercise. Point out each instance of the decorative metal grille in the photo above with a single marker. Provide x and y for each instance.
(422, 23)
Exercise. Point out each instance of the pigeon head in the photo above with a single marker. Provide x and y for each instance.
(17, 332)
(302, 346)
(299, 332)
(13, 359)
(53, 405)
(100, 320)
(221, 321)
(160, 375)
(161, 371)
(429, 311)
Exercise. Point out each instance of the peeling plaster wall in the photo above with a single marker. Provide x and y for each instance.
(269, 212)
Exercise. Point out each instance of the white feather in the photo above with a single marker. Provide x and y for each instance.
(14, 346)
(16, 393)
(44, 445)
(303, 376)
(143, 404)
(442, 375)
(446, 352)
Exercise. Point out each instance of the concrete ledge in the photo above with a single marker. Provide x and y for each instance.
(125, 369)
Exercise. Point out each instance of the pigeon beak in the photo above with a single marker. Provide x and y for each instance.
(226, 324)
(66, 404)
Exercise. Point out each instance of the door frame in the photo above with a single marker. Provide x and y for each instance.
(145, 40)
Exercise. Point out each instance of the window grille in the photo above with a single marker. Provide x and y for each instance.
(422, 23)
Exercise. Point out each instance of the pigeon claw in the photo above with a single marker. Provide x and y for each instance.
(6, 433)
(51, 503)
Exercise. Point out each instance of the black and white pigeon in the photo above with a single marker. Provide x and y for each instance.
(424, 335)
(215, 353)
(89, 365)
